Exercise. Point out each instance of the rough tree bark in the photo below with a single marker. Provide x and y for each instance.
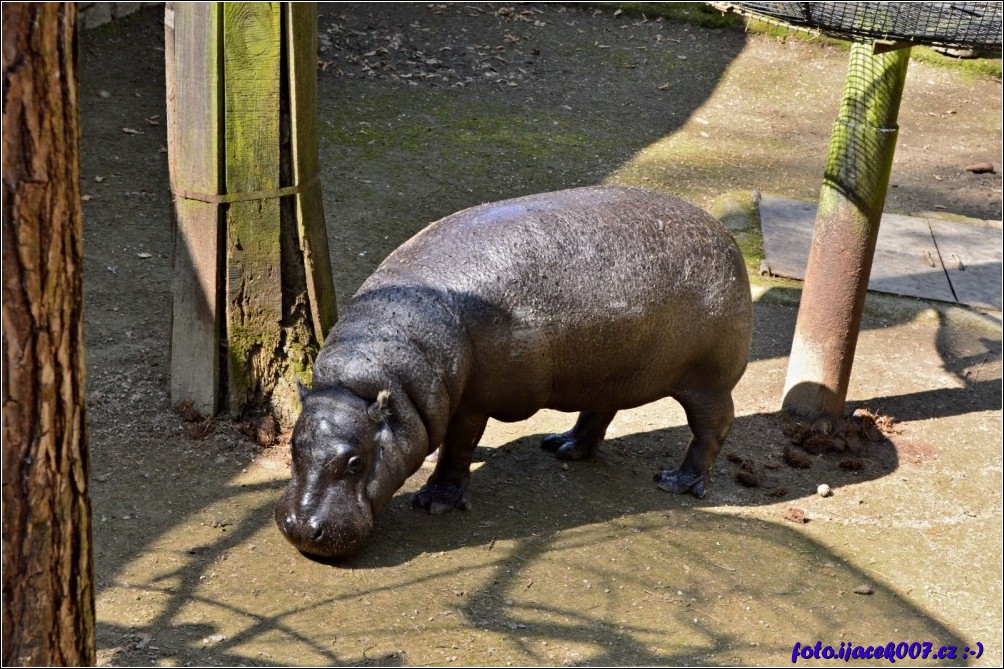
(48, 595)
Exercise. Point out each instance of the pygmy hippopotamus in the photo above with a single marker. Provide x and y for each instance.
(590, 300)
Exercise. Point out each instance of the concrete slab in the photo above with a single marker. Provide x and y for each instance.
(972, 256)
(906, 261)
(786, 239)
(914, 256)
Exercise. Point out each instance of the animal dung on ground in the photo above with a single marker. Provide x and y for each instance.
(794, 458)
(749, 476)
(795, 515)
(981, 168)
(849, 436)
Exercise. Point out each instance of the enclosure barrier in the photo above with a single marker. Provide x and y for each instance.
(857, 171)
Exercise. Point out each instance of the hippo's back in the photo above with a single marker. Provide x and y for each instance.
(591, 298)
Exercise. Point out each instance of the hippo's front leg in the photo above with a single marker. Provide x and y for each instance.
(710, 419)
(446, 489)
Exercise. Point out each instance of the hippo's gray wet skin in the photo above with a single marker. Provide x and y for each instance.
(591, 300)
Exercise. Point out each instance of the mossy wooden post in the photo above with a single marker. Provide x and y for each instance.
(274, 296)
(251, 66)
(843, 243)
(272, 328)
(302, 39)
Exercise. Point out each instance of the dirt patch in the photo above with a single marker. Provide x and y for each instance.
(429, 108)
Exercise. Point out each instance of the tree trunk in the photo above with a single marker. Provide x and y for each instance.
(48, 595)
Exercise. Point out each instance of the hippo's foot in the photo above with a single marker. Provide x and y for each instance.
(439, 498)
(680, 482)
(570, 446)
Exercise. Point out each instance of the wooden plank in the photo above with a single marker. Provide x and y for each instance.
(301, 25)
(169, 77)
(193, 150)
(251, 61)
(973, 257)
(905, 262)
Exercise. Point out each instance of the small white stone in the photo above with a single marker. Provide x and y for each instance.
(823, 490)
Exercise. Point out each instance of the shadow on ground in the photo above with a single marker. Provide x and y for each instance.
(585, 565)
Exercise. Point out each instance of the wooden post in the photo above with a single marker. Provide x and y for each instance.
(251, 53)
(843, 243)
(301, 26)
(266, 266)
(194, 145)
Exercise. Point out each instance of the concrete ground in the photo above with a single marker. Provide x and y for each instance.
(556, 564)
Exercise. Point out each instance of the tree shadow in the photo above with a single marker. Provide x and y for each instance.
(969, 351)
(616, 482)
(530, 503)
(559, 563)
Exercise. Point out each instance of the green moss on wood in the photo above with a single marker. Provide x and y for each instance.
(863, 142)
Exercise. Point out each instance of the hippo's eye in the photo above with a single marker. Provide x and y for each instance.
(354, 465)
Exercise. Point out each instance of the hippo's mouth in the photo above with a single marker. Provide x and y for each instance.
(327, 530)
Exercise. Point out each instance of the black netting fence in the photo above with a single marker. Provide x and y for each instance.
(948, 24)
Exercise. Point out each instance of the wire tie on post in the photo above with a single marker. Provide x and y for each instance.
(227, 198)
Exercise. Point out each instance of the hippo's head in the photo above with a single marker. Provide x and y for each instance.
(339, 480)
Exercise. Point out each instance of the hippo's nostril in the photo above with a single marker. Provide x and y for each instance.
(316, 529)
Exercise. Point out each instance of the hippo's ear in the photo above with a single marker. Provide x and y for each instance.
(302, 389)
(379, 411)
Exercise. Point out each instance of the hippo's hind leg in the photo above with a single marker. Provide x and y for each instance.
(582, 440)
(710, 418)
(446, 489)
